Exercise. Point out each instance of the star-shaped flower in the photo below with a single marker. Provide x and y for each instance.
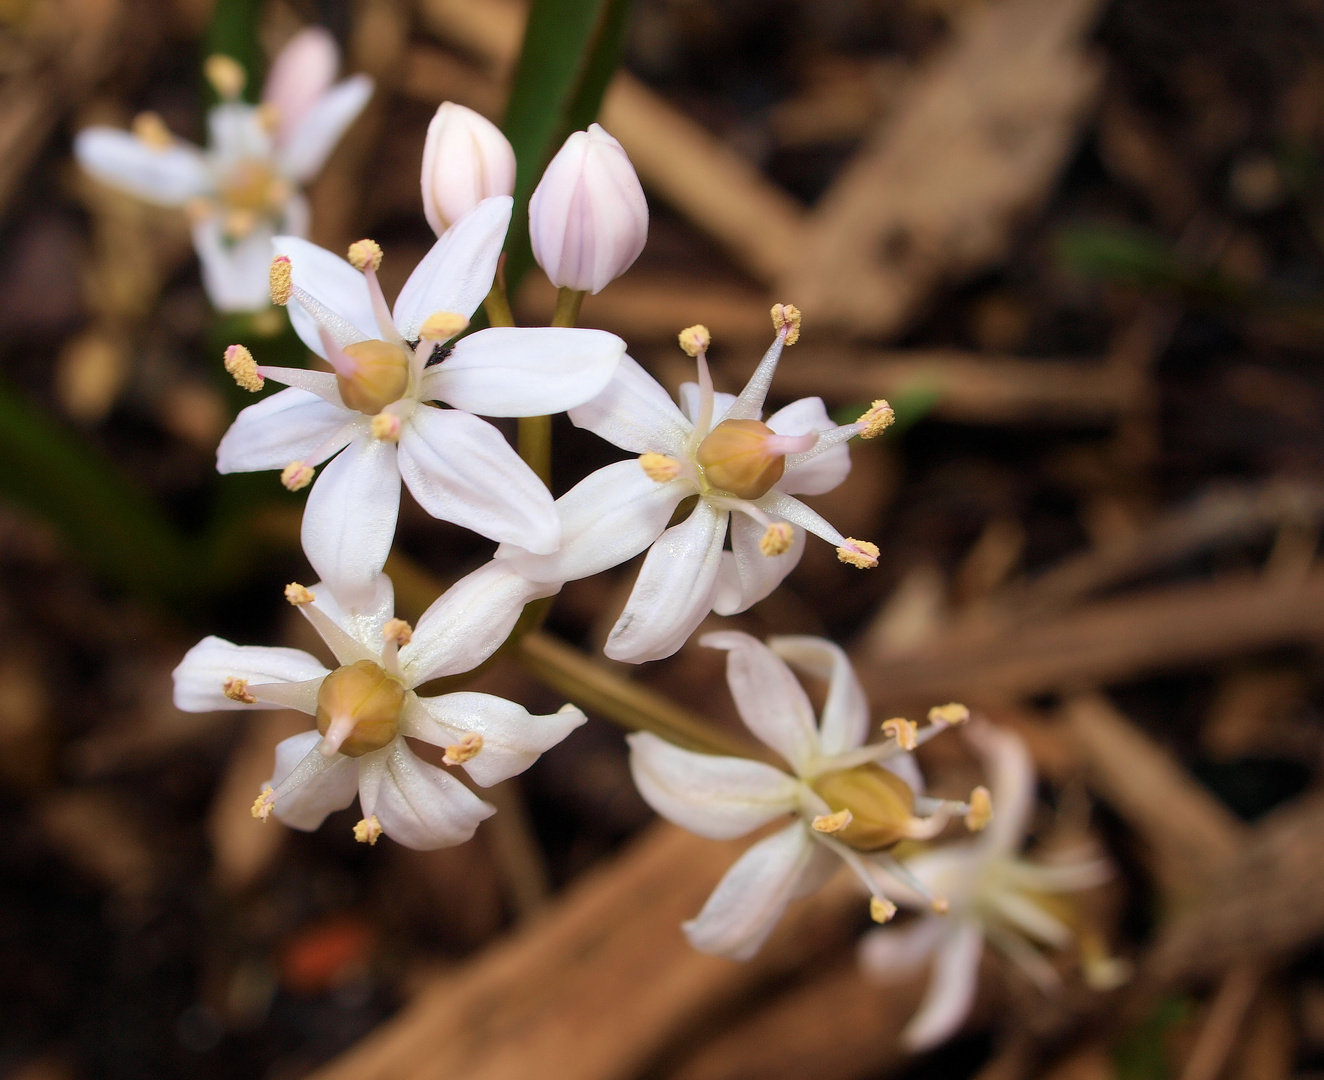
(741, 468)
(993, 896)
(386, 365)
(244, 188)
(851, 800)
(367, 706)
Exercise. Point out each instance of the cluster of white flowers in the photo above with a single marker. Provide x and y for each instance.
(402, 401)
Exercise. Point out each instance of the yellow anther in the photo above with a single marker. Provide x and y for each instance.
(281, 277)
(365, 255)
(239, 362)
(368, 830)
(876, 419)
(858, 553)
(240, 223)
(903, 731)
(787, 316)
(236, 689)
(777, 539)
(386, 427)
(296, 476)
(880, 910)
(399, 631)
(695, 339)
(264, 804)
(442, 325)
(659, 467)
(832, 823)
(226, 75)
(951, 713)
(152, 132)
(269, 117)
(940, 905)
(299, 595)
(981, 809)
(465, 750)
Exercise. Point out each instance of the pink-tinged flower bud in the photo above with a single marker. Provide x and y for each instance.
(588, 218)
(301, 73)
(466, 159)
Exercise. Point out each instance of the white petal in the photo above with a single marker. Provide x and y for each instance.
(748, 575)
(824, 471)
(674, 590)
(234, 273)
(349, 519)
(333, 282)
(951, 991)
(635, 413)
(168, 177)
(235, 134)
(417, 804)
(333, 788)
(310, 143)
(845, 722)
(690, 403)
(1032, 920)
(461, 469)
(893, 952)
(296, 216)
(608, 517)
(517, 371)
(284, 427)
(363, 621)
(1011, 782)
(457, 273)
(952, 871)
(301, 73)
(200, 676)
(750, 899)
(906, 767)
(513, 738)
(716, 797)
(468, 622)
(771, 702)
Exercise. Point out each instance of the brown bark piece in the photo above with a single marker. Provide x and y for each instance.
(972, 149)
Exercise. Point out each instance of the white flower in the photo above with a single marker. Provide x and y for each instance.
(459, 468)
(588, 218)
(244, 188)
(718, 449)
(993, 895)
(466, 159)
(367, 706)
(851, 801)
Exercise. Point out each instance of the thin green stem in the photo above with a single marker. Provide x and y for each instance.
(568, 302)
(535, 445)
(497, 304)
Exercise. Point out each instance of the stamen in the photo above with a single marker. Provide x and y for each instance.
(239, 363)
(152, 132)
(877, 419)
(695, 339)
(903, 731)
(269, 117)
(777, 539)
(240, 223)
(365, 255)
(881, 910)
(297, 594)
(832, 823)
(442, 326)
(281, 277)
(659, 467)
(466, 749)
(368, 830)
(858, 553)
(386, 427)
(398, 631)
(236, 689)
(226, 75)
(264, 804)
(787, 315)
(951, 713)
(296, 476)
(981, 809)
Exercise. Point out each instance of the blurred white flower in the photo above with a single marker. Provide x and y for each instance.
(459, 468)
(244, 188)
(851, 801)
(994, 896)
(367, 706)
(466, 159)
(719, 449)
(588, 218)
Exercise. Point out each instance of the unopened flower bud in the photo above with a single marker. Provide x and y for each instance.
(746, 457)
(880, 805)
(358, 708)
(588, 218)
(380, 375)
(466, 159)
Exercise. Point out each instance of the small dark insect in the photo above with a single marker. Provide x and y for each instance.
(439, 353)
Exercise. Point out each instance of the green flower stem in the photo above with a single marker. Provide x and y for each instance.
(497, 304)
(568, 302)
(535, 445)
